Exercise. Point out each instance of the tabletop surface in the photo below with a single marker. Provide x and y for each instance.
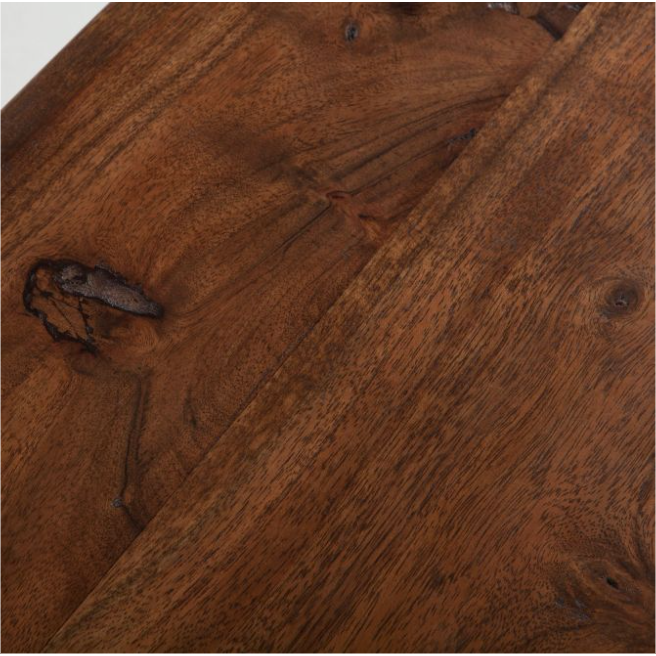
(330, 328)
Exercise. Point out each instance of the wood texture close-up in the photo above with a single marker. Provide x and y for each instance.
(315, 339)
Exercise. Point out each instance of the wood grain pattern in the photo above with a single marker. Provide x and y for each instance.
(460, 455)
(243, 163)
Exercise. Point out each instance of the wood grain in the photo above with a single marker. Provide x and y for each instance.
(459, 457)
(241, 162)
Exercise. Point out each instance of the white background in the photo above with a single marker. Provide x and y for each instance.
(33, 33)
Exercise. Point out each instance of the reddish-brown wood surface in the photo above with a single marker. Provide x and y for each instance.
(459, 456)
(242, 162)
(454, 454)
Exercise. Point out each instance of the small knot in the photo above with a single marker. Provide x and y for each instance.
(612, 582)
(351, 32)
(622, 299)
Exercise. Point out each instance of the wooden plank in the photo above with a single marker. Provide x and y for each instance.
(243, 163)
(459, 457)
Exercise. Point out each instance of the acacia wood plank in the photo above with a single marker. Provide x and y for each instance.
(243, 162)
(459, 457)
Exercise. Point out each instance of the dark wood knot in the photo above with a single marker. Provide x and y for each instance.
(351, 31)
(623, 298)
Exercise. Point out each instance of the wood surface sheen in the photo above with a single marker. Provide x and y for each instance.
(458, 456)
(243, 163)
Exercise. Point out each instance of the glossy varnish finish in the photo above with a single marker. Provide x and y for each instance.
(242, 163)
(459, 456)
